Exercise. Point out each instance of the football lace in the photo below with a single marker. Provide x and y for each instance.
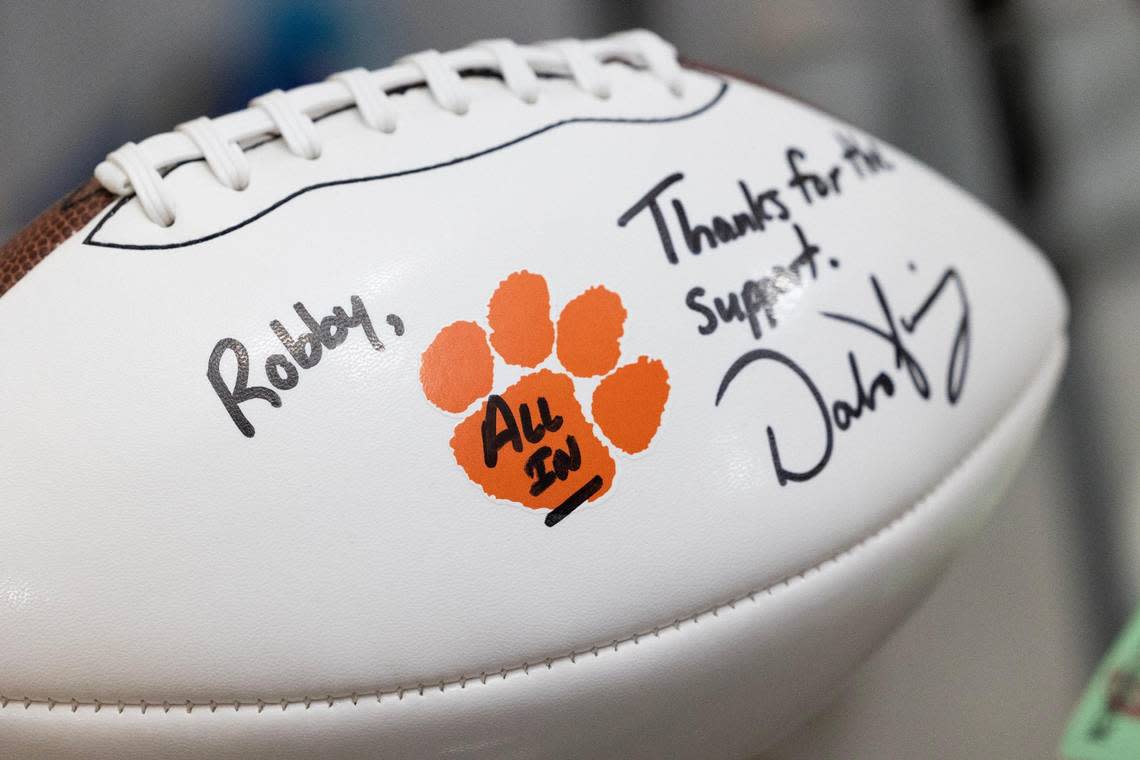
(138, 168)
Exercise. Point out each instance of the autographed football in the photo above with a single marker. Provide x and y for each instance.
(558, 400)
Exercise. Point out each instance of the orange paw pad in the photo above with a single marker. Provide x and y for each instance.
(519, 316)
(589, 332)
(532, 445)
(628, 404)
(457, 368)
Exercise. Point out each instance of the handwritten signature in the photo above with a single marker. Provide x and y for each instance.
(894, 330)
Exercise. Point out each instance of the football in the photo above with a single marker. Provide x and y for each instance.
(568, 400)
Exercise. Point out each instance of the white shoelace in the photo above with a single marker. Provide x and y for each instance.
(137, 168)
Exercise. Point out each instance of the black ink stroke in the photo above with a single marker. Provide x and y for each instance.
(304, 351)
(575, 500)
(842, 413)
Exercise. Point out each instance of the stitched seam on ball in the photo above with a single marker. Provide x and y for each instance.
(419, 689)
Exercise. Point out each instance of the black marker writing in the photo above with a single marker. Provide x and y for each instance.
(841, 413)
(758, 296)
(306, 350)
(758, 211)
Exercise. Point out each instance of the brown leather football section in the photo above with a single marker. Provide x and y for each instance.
(48, 230)
(689, 63)
(708, 68)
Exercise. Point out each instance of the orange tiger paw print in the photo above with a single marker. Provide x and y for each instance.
(531, 443)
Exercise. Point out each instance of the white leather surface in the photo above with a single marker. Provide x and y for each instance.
(718, 685)
(153, 554)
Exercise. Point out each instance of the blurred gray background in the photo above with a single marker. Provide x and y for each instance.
(1034, 105)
